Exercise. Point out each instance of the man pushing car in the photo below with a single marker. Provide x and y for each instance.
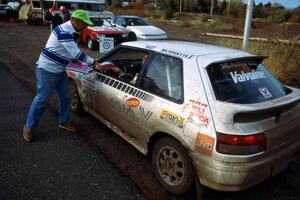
(61, 50)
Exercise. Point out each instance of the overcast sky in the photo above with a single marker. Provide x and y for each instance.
(285, 3)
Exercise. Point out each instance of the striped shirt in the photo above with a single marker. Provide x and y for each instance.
(61, 49)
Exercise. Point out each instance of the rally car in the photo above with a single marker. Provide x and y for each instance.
(198, 110)
(101, 26)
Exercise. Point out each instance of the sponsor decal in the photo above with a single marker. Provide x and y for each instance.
(238, 64)
(145, 115)
(197, 112)
(133, 102)
(89, 80)
(172, 118)
(150, 47)
(265, 92)
(204, 144)
(242, 77)
(281, 100)
(131, 114)
(177, 53)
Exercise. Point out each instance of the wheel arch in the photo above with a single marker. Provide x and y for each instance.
(159, 135)
(193, 172)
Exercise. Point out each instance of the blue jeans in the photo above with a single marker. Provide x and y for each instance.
(46, 83)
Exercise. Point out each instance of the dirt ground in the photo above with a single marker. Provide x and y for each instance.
(19, 50)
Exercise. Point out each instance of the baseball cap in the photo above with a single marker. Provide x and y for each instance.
(82, 15)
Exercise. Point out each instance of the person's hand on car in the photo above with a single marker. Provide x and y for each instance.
(96, 65)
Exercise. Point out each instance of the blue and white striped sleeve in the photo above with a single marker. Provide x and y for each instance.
(68, 42)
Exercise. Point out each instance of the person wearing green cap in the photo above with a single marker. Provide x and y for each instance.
(61, 49)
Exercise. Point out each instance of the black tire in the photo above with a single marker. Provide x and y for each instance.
(132, 36)
(76, 104)
(91, 44)
(172, 166)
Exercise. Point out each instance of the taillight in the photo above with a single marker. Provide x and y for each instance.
(241, 144)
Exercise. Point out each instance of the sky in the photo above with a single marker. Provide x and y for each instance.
(290, 4)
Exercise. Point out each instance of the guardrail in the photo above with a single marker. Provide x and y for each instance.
(266, 40)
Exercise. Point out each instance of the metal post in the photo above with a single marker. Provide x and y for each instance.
(180, 6)
(212, 7)
(248, 20)
(228, 8)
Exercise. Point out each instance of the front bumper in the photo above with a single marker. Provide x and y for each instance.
(151, 37)
(234, 176)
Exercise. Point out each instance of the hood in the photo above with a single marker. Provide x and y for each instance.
(148, 30)
(106, 29)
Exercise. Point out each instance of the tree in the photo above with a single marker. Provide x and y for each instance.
(223, 6)
(115, 3)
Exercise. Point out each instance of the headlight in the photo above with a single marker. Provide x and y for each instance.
(124, 35)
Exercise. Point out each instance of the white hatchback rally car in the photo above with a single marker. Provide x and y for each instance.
(200, 111)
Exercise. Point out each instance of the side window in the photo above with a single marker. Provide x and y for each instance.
(124, 64)
(164, 77)
(120, 21)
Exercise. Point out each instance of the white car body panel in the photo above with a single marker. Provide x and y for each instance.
(200, 117)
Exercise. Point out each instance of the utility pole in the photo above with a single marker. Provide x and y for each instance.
(212, 7)
(180, 6)
(247, 28)
(228, 8)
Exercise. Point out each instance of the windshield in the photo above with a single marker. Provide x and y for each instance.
(100, 22)
(136, 22)
(246, 81)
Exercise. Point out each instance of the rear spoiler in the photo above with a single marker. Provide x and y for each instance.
(258, 58)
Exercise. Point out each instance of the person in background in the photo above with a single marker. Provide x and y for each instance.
(66, 14)
(24, 8)
(55, 19)
(60, 50)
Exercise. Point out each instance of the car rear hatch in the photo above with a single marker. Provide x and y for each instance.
(252, 107)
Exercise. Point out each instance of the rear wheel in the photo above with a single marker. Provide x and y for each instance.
(172, 166)
(76, 104)
(91, 44)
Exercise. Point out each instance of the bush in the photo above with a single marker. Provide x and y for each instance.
(279, 16)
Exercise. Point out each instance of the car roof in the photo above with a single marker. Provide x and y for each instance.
(185, 49)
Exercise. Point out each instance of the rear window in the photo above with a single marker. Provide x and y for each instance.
(246, 81)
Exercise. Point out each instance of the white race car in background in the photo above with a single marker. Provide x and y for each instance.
(138, 28)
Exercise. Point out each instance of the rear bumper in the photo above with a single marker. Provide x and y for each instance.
(235, 176)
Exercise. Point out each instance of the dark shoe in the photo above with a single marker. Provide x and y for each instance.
(28, 134)
(68, 126)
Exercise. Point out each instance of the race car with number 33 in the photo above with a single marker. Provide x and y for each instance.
(202, 112)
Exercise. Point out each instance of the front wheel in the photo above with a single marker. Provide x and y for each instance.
(132, 36)
(172, 166)
(76, 104)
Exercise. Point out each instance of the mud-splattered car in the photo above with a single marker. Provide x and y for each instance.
(201, 111)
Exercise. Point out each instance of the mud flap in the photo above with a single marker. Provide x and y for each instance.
(199, 187)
